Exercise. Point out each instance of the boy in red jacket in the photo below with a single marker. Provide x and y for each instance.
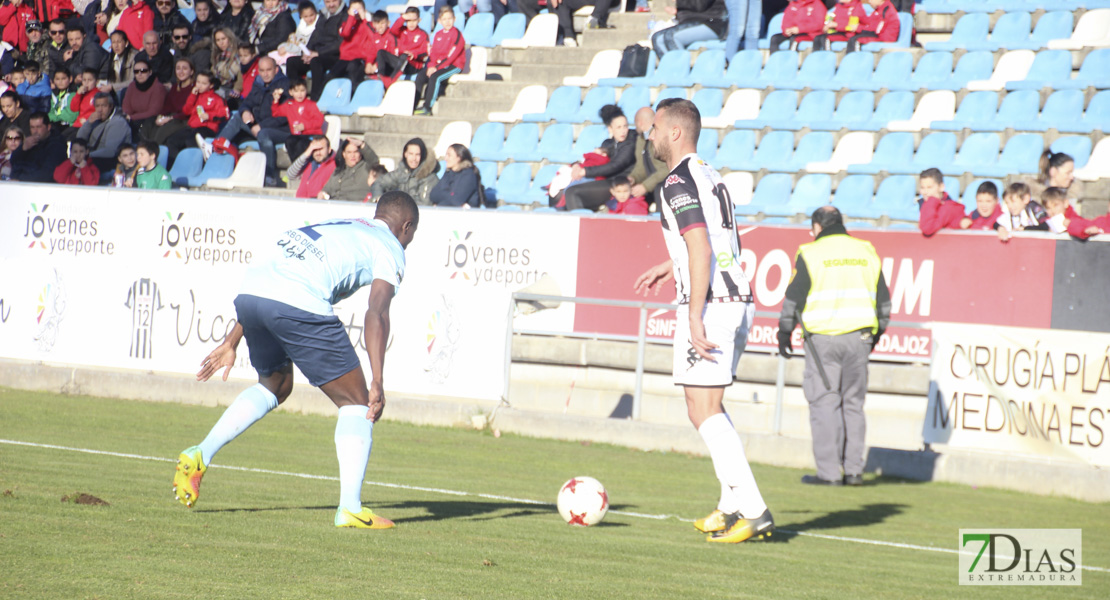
(801, 20)
(78, 170)
(882, 25)
(381, 51)
(842, 21)
(446, 57)
(354, 36)
(987, 209)
(938, 211)
(206, 111)
(305, 122)
(82, 102)
(412, 41)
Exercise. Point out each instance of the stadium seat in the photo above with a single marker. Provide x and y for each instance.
(455, 132)
(487, 171)
(970, 29)
(541, 32)
(709, 67)
(971, 66)
(477, 62)
(1098, 164)
(893, 69)
(893, 106)
(893, 149)
(521, 144)
(934, 68)
(773, 26)
(479, 30)
(708, 101)
(978, 154)
(634, 98)
(1018, 109)
(595, 99)
(815, 106)
(1097, 115)
(781, 66)
(772, 191)
(618, 81)
(368, 93)
(250, 172)
(937, 105)
(1048, 67)
(897, 198)
(811, 191)
(1076, 146)
(557, 143)
(510, 26)
(537, 193)
(336, 94)
(188, 164)
(856, 147)
(218, 166)
(976, 108)
(561, 106)
(164, 156)
(779, 106)
(1013, 65)
(744, 66)
(1062, 111)
(514, 182)
(854, 67)
(739, 186)
(816, 146)
(1092, 73)
(1020, 155)
(529, 97)
(398, 100)
(589, 138)
(1011, 30)
(741, 104)
(819, 67)
(853, 196)
(1092, 31)
(673, 70)
(937, 149)
(737, 150)
(1055, 25)
(606, 63)
(707, 144)
(855, 108)
(488, 141)
(671, 92)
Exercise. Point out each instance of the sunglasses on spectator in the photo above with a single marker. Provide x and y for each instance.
(142, 70)
(57, 31)
(181, 37)
(13, 137)
(164, 3)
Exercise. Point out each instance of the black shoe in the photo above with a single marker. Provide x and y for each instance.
(815, 480)
(594, 24)
(853, 480)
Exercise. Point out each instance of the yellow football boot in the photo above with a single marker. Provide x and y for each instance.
(714, 521)
(364, 519)
(739, 529)
(186, 481)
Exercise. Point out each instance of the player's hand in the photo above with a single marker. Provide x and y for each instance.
(965, 222)
(700, 341)
(223, 357)
(653, 278)
(377, 401)
(785, 346)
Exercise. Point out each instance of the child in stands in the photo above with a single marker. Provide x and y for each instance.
(305, 122)
(841, 22)
(882, 25)
(987, 211)
(206, 111)
(412, 42)
(1020, 212)
(150, 175)
(938, 211)
(801, 20)
(78, 170)
(623, 202)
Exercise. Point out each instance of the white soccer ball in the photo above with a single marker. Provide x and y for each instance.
(583, 501)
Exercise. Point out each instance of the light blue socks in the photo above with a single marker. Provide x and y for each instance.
(353, 440)
(249, 407)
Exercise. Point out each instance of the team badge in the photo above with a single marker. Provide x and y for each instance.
(673, 179)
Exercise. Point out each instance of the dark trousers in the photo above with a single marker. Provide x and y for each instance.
(778, 39)
(854, 43)
(432, 87)
(318, 67)
(567, 9)
(588, 194)
(185, 138)
(355, 70)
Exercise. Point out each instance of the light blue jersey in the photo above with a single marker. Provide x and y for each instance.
(318, 265)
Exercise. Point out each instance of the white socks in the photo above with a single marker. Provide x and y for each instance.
(249, 407)
(739, 491)
(352, 445)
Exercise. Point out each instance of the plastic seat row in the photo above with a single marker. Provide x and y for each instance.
(566, 104)
(1011, 32)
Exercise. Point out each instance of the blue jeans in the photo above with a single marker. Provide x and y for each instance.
(234, 127)
(268, 139)
(680, 36)
(744, 20)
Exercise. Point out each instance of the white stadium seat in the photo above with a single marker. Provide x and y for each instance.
(399, 100)
(856, 147)
(541, 32)
(741, 104)
(530, 99)
(1013, 65)
(937, 105)
(605, 64)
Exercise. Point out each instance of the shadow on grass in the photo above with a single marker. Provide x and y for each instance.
(439, 510)
(261, 509)
(869, 514)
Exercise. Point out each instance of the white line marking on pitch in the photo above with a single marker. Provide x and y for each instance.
(417, 488)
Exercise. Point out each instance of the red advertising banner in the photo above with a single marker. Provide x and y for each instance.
(954, 277)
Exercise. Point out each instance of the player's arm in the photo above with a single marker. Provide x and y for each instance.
(223, 357)
(376, 330)
(701, 260)
(654, 278)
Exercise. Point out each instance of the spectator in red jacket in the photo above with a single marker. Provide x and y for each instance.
(801, 20)
(842, 21)
(82, 102)
(314, 166)
(206, 111)
(938, 211)
(13, 18)
(1085, 228)
(78, 170)
(623, 202)
(135, 19)
(446, 57)
(412, 41)
(355, 38)
(882, 25)
(305, 122)
(987, 208)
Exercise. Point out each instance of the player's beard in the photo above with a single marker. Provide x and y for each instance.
(660, 151)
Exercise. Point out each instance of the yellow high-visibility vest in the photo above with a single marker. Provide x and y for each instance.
(844, 275)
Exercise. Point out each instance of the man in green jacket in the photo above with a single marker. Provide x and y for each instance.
(649, 171)
(151, 175)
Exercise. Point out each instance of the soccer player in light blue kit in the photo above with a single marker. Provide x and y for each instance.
(284, 309)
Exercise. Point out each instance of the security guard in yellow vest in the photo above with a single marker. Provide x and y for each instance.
(839, 290)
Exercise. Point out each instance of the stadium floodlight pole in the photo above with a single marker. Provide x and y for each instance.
(811, 349)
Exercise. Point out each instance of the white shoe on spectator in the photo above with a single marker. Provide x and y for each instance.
(570, 42)
(205, 147)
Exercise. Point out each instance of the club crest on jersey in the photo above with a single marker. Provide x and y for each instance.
(673, 179)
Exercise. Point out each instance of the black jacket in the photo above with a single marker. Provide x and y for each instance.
(38, 163)
(161, 64)
(622, 157)
(710, 12)
(240, 23)
(164, 26)
(261, 99)
(90, 56)
(325, 38)
(276, 33)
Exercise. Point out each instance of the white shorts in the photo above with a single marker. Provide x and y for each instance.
(726, 325)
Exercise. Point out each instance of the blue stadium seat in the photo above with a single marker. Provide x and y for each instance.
(520, 144)
(1055, 25)
(1076, 146)
(893, 106)
(819, 67)
(187, 165)
(812, 190)
(893, 69)
(671, 92)
(536, 193)
(772, 191)
(935, 150)
(744, 66)
(510, 26)
(978, 154)
(488, 141)
(778, 106)
(1048, 67)
(781, 66)
(773, 26)
(673, 70)
(1012, 28)
(634, 98)
(709, 67)
(561, 106)
(707, 144)
(595, 98)
(970, 29)
(479, 30)
(164, 156)
(1097, 115)
(1020, 155)
(709, 101)
(815, 106)
(976, 108)
(1018, 109)
(368, 93)
(514, 183)
(853, 68)
(336, 94)
(1062, 111)
(971, 66)
(1092, 73)
(952, 186)
(589, 138)
(933, 68)
(736, 150)
(893, 149)
(557, 143)
(623, 81)
(487, 171)
(853, 196)
(219, 166)
(940, 7)
(816, 146)
(896, 198)
(855, 108)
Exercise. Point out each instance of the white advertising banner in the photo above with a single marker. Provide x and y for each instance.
(1021, 391)
(141, 280)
